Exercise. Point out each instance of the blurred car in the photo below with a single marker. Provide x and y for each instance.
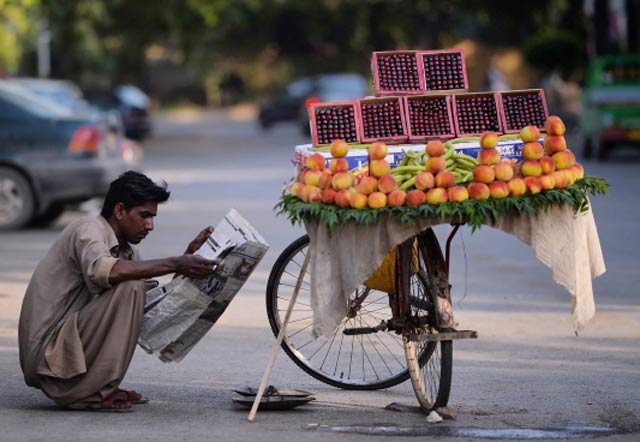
(292, 102)
(132, 104)
(611, 104)
(50, 157)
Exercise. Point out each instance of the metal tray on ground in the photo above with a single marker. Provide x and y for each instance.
(271, 391)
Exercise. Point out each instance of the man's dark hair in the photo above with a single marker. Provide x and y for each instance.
(133, 189)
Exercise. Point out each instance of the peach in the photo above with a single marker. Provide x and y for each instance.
(328, 196)
(547, 164)
(489, 140)
(445, 179)
(342, 180)
(529, 134)
(457, 194)
(377, 200)
(517, 187)
(531, 168)
(342, 198)
(435, 164)
(379, 168)
(316, 162)
(479, 191)
(435, 148)
(571, 175)
(533, 183)
(339, 148)
(303, 175)
(560, 179)
(504, 171)
(396, 198)
(554, 126)
(554, 143)
(547, 182)
(338, 165)
(437, 195)
(312, 177)
(295, 188)
(564, 159)
(489, 157)
(367, 185)
(315, 194)
(415, 198)
(358, 200)
(387, 183)
(483, 174)
(532, 151)
(325, 179)
(424, 181)
(498, 189)
(378, 151)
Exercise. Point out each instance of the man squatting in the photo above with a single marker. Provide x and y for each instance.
(83, 308)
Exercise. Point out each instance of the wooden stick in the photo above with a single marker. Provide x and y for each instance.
(276, 345)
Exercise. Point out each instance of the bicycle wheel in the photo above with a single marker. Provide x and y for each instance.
(357, 362)
(429, 363)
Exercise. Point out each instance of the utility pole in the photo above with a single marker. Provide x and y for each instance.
(44, 49)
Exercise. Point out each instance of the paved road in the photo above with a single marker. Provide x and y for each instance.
(528, 376)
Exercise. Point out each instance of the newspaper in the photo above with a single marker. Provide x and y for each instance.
(180, 313)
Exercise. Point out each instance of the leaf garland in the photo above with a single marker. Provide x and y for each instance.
(471, 212)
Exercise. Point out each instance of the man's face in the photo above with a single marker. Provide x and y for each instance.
(135, 224)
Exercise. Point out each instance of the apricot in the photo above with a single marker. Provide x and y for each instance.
(325, 179)
(415, 198)
(529, 134)
(338, 165)
(435, 148)
(377, 200)
(312, 177)
(483, 174)
(564, 159)
(328, 196)
(554, 143)
(435, 164)
(342, 198)
(479, 191)
(358, 200)
(342, 180)
(378, 151)
(315, 194)
(339, 148)
(445, 180)
(554, 126)
(532, 151)
(531, 168)
(560, 179)
(517, 187)
(295, 188)
(489, 157)
(367, 185)
(396, 198)
(457, 194)
(579, 170)
(498, 189)
(424, 181)
(316, 162)
(387, 183)
(547, 164)
(437, 195)
(379, 168)
(303, 194)
(504, 171)
(489, 140)
(533, 183)
(547, 182)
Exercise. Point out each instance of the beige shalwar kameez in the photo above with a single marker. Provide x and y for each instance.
(77, 333)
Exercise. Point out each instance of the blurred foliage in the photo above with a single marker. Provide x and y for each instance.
(16, 30)
(265, 42)
(555, 50)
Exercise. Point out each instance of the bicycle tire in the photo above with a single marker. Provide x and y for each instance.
(430, 378)
(277, 304)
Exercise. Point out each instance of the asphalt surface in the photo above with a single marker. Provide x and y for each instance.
(528, 377)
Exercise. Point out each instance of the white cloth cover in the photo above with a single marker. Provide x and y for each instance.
(564, 241)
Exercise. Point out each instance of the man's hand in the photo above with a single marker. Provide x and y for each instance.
(194, 266)
(199, 240)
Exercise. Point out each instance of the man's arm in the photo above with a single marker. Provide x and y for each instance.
(191, 266)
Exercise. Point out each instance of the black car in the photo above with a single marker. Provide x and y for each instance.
(292, 102)
(133, 106)
(50, 157)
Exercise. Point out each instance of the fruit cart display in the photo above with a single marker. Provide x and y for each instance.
(363, 301)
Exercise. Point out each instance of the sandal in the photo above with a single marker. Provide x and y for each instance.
(134, 397)
(117, 402)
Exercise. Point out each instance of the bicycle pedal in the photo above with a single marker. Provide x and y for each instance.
(360, 330)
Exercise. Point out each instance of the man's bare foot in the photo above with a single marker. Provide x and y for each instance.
(117, 401)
